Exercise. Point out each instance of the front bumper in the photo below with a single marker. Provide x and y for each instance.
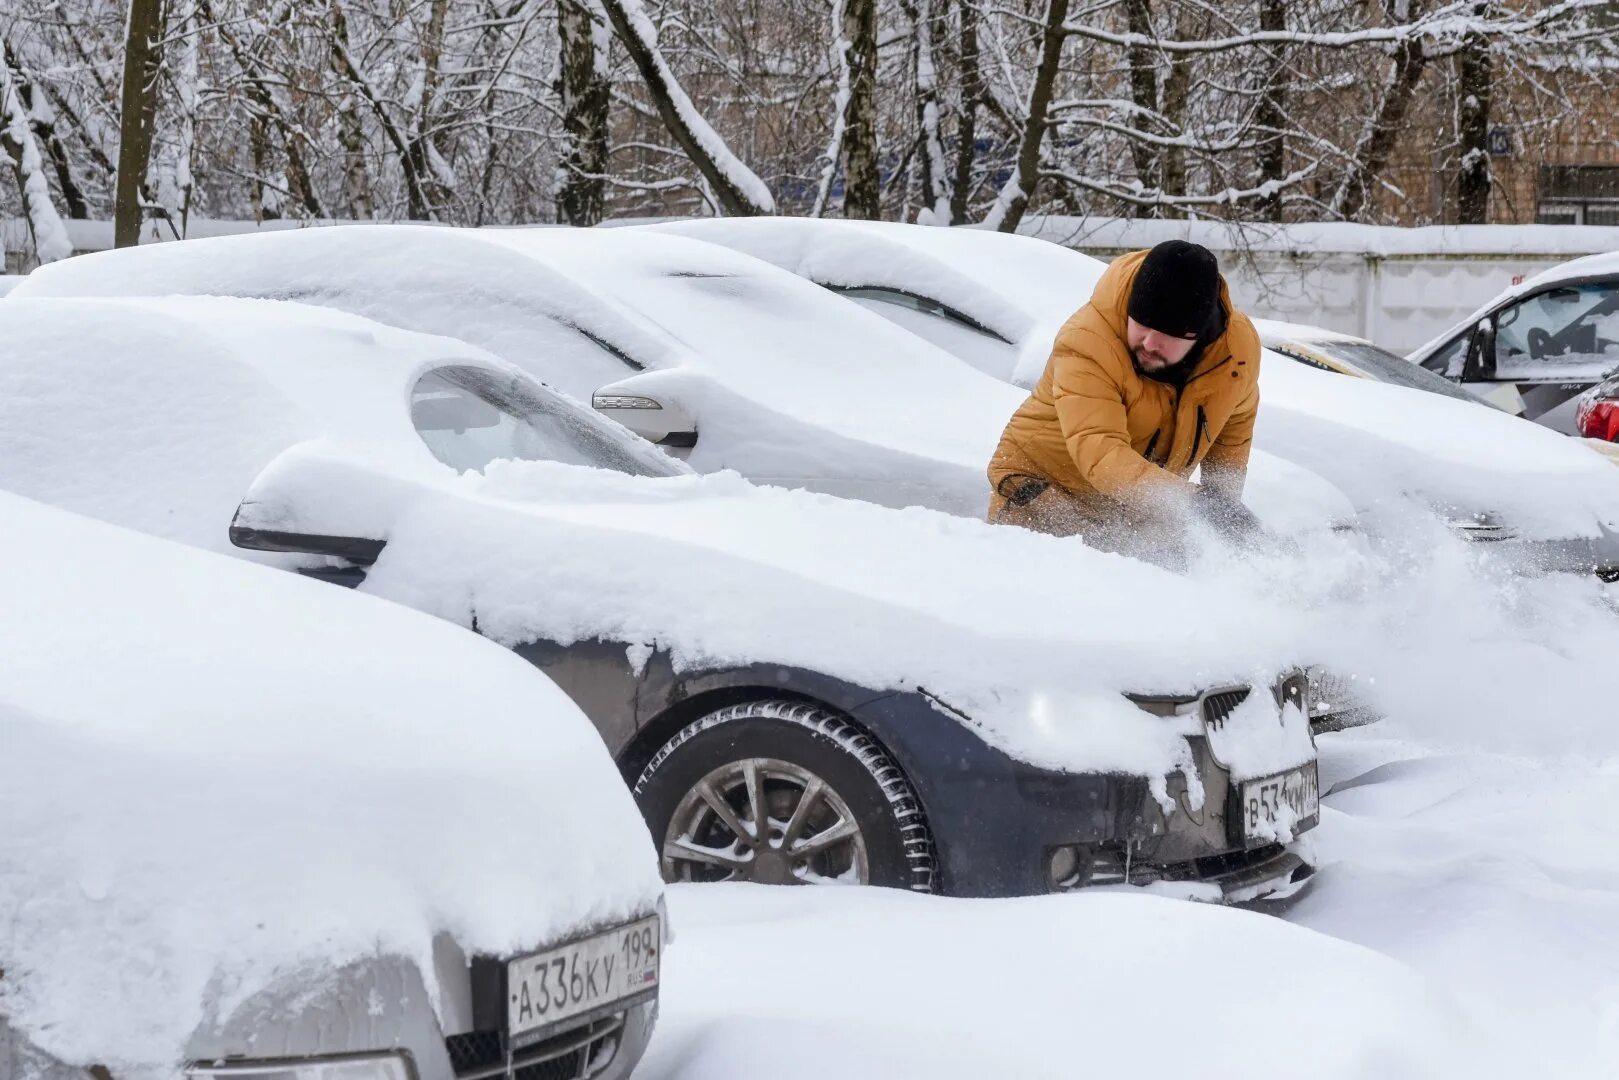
(1003, 827)
(381, 1006)
(1270, 873)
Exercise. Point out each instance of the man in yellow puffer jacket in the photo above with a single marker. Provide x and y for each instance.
(1156, 375)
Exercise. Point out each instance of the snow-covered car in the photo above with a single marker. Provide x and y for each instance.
(1539, 344)
(726, 360)
(1543, 502)
(1345, 354)
(255, 828)
(798, 687)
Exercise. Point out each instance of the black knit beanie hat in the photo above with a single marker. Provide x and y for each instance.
(1177, 290)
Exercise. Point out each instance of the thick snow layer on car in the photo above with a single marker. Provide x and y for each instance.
(216, 775)
(453, 282)
(886, 984)
(719, 572)
(1006, 284)
(203, 392)
(786, 383)
(1380, 443)
(713, 569)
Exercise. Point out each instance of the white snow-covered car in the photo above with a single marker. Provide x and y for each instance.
(255, 828)
(1346, 354)
(799, 688)
(1536, 347)
(726, 360)
(1543, 502)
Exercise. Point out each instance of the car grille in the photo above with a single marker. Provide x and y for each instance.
(1108, 867)
(1220, 704)
(571, 1055)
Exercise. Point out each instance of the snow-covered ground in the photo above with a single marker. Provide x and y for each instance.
(1465, 924)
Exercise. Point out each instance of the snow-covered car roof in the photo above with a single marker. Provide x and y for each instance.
(217, 776)
(759, 357)
(1603, 264)
(1007, 284)
(224, 385)
(711, 569)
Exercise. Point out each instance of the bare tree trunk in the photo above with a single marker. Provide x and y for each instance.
(735, 187)
(18, 145)
(424, 197)
(1015, 194)
(586, 93)
(256, 85)
(1144, 95)
(174, 180)
(42, 120)
(1371, 152)
(350, 131)
(1272, 113)
(862, 183)
(343, 61)
(1177, 89)
(142, 53)
(935, 172)
(265, 194)
(1473, 114)
(972, 94)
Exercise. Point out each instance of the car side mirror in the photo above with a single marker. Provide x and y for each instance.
(315, 499)
(650, 415)
(1479, 363)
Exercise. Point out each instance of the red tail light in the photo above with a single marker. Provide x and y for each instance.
(1599, 419)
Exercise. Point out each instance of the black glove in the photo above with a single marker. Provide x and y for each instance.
(1229, 516)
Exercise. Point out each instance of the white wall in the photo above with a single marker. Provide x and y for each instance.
(1398, 287)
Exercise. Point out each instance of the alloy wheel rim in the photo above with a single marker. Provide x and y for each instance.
(808, 836)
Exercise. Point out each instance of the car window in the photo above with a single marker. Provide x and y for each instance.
(1447, 360)
(912, 302)
(1385, 366)
(469, 416)
(1568, 332)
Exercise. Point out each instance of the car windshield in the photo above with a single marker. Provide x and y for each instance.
(1390, 368)
(1566, 332)
(469, 416)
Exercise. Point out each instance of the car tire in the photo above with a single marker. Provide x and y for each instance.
(836, 807)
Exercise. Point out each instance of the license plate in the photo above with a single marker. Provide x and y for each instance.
(590, 977)
(1273, 807)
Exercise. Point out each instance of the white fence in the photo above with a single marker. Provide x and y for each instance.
(1398, 287)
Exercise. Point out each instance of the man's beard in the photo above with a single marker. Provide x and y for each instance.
(1160, 362)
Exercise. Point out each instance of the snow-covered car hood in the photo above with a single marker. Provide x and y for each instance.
(187, 425)
(1384, 445)
(217, 776)
(719, 572)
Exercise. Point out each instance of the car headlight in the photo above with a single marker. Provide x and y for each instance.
(391, 1066)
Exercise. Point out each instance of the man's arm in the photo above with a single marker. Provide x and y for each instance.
(1091, 412)
(1225, 467)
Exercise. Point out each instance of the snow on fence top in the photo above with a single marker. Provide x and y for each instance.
(1323, 237)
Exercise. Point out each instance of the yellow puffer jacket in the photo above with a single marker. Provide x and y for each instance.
(1110, 435)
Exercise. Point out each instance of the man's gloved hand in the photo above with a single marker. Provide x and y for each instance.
(1229, 516)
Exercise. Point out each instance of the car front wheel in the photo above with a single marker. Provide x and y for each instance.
(783, 793)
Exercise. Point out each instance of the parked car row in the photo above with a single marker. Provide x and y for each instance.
(709, 481)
